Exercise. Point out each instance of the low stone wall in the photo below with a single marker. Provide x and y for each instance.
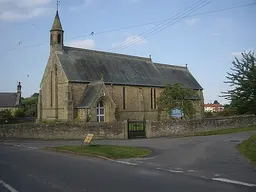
(117, 130)
(177, 127)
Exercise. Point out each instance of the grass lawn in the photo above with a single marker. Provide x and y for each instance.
(248, 148)
(109, 151)
(225, 131)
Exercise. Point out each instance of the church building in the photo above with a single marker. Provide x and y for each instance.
(97, 86)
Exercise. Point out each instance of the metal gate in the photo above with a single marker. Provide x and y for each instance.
(136, 129)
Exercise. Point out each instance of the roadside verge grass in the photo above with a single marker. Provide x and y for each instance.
(225, 131)
(248, 148)
(109, 151)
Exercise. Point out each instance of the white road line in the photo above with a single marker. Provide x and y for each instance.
(124, 162)
(10, 188)
(169, 170)
(17, 145)
(234, 182)
(175, 171)
(34, 148)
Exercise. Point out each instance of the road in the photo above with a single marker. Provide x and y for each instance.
(26, 168)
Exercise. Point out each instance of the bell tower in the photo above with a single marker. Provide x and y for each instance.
(56, 39)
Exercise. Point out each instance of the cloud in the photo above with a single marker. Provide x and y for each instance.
(13, 10)
(85, 4)
(134, 40)
(86, 43)
(192, 22)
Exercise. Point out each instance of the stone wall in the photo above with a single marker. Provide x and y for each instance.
(116, 130)
(176, 127)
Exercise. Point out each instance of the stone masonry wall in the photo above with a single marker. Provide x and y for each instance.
(175, 127)
(118, 130)
(64, 131)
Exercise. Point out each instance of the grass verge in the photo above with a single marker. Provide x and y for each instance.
(248, 148)
(225, 131)
(217, 132)
(109, 151)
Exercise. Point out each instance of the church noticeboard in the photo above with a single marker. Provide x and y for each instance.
(176, 113)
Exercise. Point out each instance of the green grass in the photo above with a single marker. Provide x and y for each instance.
(109, 151)
(225, 131)
(248, 148)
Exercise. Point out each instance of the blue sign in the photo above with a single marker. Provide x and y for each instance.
(176, 113)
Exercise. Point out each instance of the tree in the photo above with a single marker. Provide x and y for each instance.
(29, 106)
(216, 102)
(176, 97)
(242, 80)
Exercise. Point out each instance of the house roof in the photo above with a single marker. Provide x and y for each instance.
(83, 65)
(91, 92)
(8, 99)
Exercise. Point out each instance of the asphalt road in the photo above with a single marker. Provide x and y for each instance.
(26, 169)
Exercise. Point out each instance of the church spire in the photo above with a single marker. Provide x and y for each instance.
(56, 26)
(57, 31)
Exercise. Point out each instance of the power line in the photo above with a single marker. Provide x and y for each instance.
(159, 26)
(214, 11)
(143, 24)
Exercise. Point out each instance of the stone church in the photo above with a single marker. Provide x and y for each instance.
(96, 86)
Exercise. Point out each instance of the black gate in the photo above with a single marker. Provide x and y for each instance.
(136, 129)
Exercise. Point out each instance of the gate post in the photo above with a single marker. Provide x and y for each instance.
(125, 129)
(148, 129)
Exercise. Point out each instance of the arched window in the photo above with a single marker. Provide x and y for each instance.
(59, 38)
(100, 110)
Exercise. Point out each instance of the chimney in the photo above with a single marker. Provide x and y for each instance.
(186, 65)
(19, 88)
(18, 101)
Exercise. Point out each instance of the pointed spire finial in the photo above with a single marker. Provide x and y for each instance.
(58, 3)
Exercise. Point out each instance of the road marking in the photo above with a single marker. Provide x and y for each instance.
(34, 148)
(17, 145)
(175, 171)
(234, 182)
(169, 170)
(124, 162)
(10, 188)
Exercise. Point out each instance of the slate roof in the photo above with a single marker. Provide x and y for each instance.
(91, 91)
(83, 65)
(8, 100)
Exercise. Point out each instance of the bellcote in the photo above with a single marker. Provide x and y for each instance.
(56, 32)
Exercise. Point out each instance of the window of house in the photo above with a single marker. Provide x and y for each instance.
(153, 98)
(59, 38)
(51, 39)
(151, 94)
(100, 110)
(51, 88)
(124, 98)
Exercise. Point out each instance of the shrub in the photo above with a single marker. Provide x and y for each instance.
(5, 116)
(208, 114)
(19, 113)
